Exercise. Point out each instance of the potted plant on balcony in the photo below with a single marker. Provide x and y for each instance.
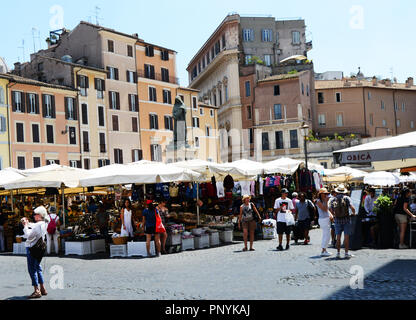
(384, 210)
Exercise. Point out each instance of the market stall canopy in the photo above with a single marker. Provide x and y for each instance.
(9, 175)
(344, 171)
(197, 165)
(50, 177)
(241, 169)
(282, 165)
(411, 178)
(296, 57)
(381, 178)
(139, 174)
(391, 153)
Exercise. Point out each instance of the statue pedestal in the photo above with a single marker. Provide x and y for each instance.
(180, 152)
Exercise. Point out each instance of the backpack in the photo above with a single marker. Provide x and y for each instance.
(341, 207)
(52, 226)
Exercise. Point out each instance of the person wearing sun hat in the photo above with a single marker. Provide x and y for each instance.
(339, 207)
(325, 218)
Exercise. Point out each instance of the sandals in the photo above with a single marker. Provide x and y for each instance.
(245, 250)
(35, 295)
(43, 292)
(252, 249)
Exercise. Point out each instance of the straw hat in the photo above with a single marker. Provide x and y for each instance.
(246, 197)
(341, 189)
(323, 191)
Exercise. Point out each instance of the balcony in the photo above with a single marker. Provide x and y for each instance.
(158, 77)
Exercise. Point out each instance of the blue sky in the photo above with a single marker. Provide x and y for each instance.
(375, 35)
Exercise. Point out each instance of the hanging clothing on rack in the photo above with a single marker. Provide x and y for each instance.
(245, 187)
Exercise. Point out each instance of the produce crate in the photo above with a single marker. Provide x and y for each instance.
(78, 248)
(214, 239)
(19, 248)
(138, 249)
(226, 236)
(201, 242)
(118, 250)
(97, 246)
(188, 244)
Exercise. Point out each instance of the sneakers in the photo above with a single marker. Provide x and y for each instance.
(279, 248)
(403, 246)
(349, 256)
(326, 254)
(339, 255)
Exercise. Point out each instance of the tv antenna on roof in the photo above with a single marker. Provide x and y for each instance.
(97, 12)
(23, 49)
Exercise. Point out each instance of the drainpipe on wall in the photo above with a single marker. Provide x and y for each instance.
(8, 121)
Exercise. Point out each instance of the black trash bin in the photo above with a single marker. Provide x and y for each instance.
(386, 230)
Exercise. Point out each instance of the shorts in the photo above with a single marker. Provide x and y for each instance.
(250, 225)
(304, 225)
(346, 228)
(401, 219)
(283, 228)
(150, 230)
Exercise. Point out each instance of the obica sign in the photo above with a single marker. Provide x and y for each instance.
(359, 157)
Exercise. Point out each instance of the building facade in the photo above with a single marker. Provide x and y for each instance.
(366, 108)
(4, 124)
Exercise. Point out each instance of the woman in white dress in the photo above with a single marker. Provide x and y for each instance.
(126, 219)
(325, 218)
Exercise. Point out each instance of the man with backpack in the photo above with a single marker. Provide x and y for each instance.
(340, 207)
(52, 233)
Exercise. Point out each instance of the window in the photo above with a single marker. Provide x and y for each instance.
(277, 112)
(21, 163)
(195, 122)
(412, 124)
(248, 35)
(165, 75)
(217, 47)
(396, 106)
(72, 135)
(267, 35)
(35, 133)
(167, 97)
(309, 114)
(268, 59)
(156, 152)
(279, 140)
(199, 67)
(70, 111)
(212, 113)
(136, 155)
(101, 122)
(103, 148)
(49, 162)
(223, 42)
(134, 124)
(277, 90)
(131, 76)
(84, 109)
(110, 45)
(369, 95)
(73, 163)
(48, 106)
(295, 37)
(226, 92)
(49, 134)
(115, 123)
(340, 120)
(194, 73)
(251, 135)
(203, 63)
(133, 103)
(87, 164)
(20, 135)
(169, 123)
(320, 97)
(152, 94)
(112, 73)
(383, 107)
(322, 120)
(265, 141)
(212, 53)
(303, 89)
(201, 111)
(214, 93)
(182, 98)
(194, 103)
(33, 103)
(149, 51)
(220, 95)
(384, 123)
(2, 98)
(324, 164)
(103, 163)
(149, 71)
(248, 89)
(18, 102)
(208, 131)
(86, 141)
(371, 119)
(100, 87)
(36, 162)
(398, 123)
(3, 124)
(208, 59)
(83, 84)
(164, 55)
(307, 90)
(403, 106)
(129, 51)
(277, 37)
(154, 121)
(294, 139)
(248, 59)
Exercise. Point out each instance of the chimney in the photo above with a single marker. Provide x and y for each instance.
(347, 83)
(388, 83)
(136, 35)
(18, 68)
(409, 82)
(374, 81)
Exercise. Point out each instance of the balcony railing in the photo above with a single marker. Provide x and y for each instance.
(158, 77)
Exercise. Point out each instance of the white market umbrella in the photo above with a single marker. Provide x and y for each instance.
(345, 171)
(296, 57)
(9, 175)
(381, 178)
(390, 153)
(241, 169)
(282, 165)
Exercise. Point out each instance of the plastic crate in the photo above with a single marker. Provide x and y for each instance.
(214, 239)
(202, 241)
(226, 236)
(118, 250)
(97, 246)
(174, 240)
(138, 249)
(78, 248)
(19, 248)
(188, 244)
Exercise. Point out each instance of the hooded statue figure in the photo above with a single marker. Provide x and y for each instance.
(179, 114)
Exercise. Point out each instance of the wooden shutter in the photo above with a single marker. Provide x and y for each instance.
(130, 106)
(13, 101)
(23, 99)
(115, 123)
(136, 97)
(118, 100)
(95, 83)
(87, 82)
(66, 108)
(157, 122)
(134, 124)
(102, 84)
(152, 72)
(53, 107)
(79, 164)
(84, 113)
(44, 105)
(74, 103)
(108, 73)
(37, 103)
(135, 77)
(110, 99)
(127, 76)
(116, 73)
(121, 156)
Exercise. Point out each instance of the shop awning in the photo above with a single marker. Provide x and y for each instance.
(381, 178)
(9, 175)
(395, 152)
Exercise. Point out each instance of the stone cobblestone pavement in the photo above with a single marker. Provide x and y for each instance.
(222, 273)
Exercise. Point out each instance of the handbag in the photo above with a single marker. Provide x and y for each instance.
(290, 219)
(38, 250)
(160, 228)
(255, 216)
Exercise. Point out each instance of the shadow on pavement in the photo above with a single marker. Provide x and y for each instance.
(17, 298)
(394, 281)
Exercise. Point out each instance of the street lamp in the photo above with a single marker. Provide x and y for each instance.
(305, 133)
